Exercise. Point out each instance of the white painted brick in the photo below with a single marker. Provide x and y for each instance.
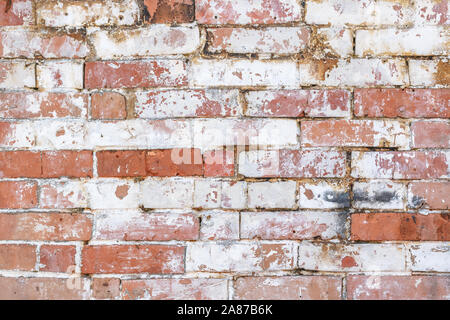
(240, 256)
(18, 135)
(215, 193)
(63, 194)
(379, 195)
(431, 12)
(113, 194)
(214, 133)
(428, 72)
(352, 257)
(60, 74)
(356, 72)
(154, 40)
(58, 134)
(158, 134)
(17, 74)
(171, 193)
(277, 40)
(219, 225)
(78, 14)
(358, 12)
(238, 73)
(423, 41)
(187, 103)
(324, 195)
(337, 41)
(279, 194)
(433, 257)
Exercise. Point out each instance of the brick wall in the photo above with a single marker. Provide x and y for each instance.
(224, 149)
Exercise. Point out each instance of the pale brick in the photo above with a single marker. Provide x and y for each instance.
(58, 134)
(169, 193)
(379, 195)
(433, 257)
(431, 12)
(60, 195)
(149, 41)
(336, 41)
(281, 194)
(219, 225)
(429, 72)
(17, 135)
(324, 195)
(17, 75)
(214, 193)
(60, 74)
(352, 257)
(113, 194)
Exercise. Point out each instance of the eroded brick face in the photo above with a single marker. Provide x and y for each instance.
(224, 149)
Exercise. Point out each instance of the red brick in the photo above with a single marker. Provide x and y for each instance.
(365, 133)
(45, 226)
(428, 134)
(245, 12)
(18, 194)
(174, 162)
(105, 288)
(147, 226)
(108, 105)
(219, 163)
(57, 258)
(175, 289)
(57, 164)
(16, 164)
(431, 195)
(398, 287)
(16, 12)
(288, 288)
(298, 103)
(17, 257)
(44, 289)
(135, 74)
(126, 259)
(169, 11)
(400, 226)
(408, 103)
(24, 105)
(121, 163)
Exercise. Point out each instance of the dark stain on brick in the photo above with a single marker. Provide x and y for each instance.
(383, 196)
(342, 198)
(417, 202)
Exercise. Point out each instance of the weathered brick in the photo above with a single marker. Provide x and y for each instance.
(60, 74)
(16, 12)
(64, 13)
(353, 72)
(134, 226)
(30, 44)
(17, 257)
(430, 134)
(354, 133)
(105, 288)
(288, 288)
(175, 289)
(17, 134)
(45, 226)
(434, 257)
(171, 193)
(432, 195)
(292, 225)
(243, 73)
(405, 103)
(44, 288)
(17, 164)
(17, 75)
(61, 135)
(351, 257)
(172, 11)
(63, 195)
(279, 194)
(218, 225)
(286, 40)
(400, 226)
(143, 42)
(423, 41)
(240, 257)
(247, 12)
(57, 258)
(214, 193)
(135, 74)
(398, 287)
(292, 163)
(25, 105)
(401, 164)
(18, 194)
(431, 12)
(108, 106)
(159, 259)
(379, 195)
(113, 194)
(298, 103)
(75, 164)
(429, 72)
(337, 42)
(187, 103)
(324, 195)
(218, 163)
